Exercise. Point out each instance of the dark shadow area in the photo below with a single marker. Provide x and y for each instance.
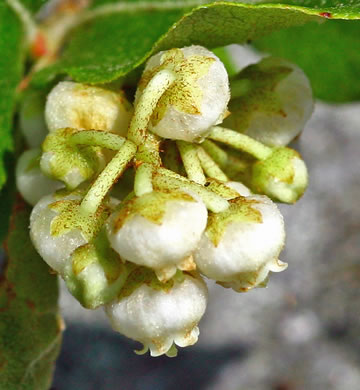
(96, 359)
(7, 194)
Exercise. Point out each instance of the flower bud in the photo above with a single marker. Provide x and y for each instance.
(86, 107)
(282, 176)
(53, 248)
(32, 119)
(154, 230)
(94, 273)
(241, 245)
(196, 100)
(161, 316)
(72, 164)
(30, 181)
(274, 103)
(57, 227)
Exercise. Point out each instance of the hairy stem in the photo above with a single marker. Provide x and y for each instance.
(149, 151)
(210, 167)
(143, 179)
(108, 177)
(191, 162)
(147, 103)
(216, 153)
(231, 164)
(241, 142)
(166, 179)
(98, 138)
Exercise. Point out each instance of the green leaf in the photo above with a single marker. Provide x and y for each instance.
(11, 67)
(328, 53)
(30, 327)
(343, 9)
(33, 5)
(110, 46)
(118, 38)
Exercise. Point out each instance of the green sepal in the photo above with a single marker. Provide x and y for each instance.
(277, 176)
(257, 86)
(185, 94)
(95, 289)
(240, 209)
(221, 189)
(67, 157)
(71, 217)
(151, 206)
(139, 276)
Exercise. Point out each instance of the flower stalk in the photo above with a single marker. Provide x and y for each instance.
(92, 200)
(241, 142)
(191, 162)
(147, 103)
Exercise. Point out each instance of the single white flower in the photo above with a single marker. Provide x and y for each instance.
(69, 163)
(160, 317)
(54, 249)
(30, 181)
(86, 107)
(32, 119)
(159, 231)
(282, 176)
(241, 245)
(196, 100)
(275, 103)
(58, 227)
(94, 273)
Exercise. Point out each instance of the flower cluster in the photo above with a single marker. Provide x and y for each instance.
(135, 205)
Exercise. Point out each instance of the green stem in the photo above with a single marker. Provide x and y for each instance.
(216, 153)
(210, 167)
(225, 161)
(149, 151)
(168, 180)
(147, 104)
(143, 179)
(241, 142)
(191, 162)
(98, 138)
(108, 177)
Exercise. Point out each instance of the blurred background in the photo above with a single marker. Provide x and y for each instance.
(301, 332)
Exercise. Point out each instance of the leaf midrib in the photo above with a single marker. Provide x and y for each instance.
(193, 5)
